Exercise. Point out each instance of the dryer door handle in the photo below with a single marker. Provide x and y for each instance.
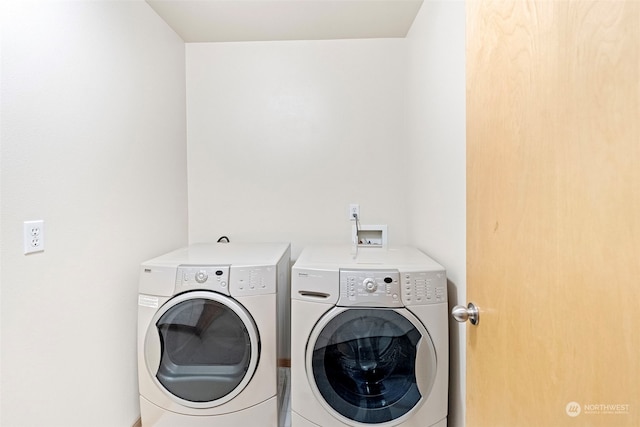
(152, 349)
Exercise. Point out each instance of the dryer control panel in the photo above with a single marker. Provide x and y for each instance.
(370, 288)
(206, 277)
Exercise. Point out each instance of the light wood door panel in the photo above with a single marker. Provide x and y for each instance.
(553, 213)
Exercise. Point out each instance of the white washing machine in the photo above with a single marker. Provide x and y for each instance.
(210, 334)
(369, 338)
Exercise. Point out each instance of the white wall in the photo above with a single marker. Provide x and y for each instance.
(437, 178)
(93, 142)
(282, 136)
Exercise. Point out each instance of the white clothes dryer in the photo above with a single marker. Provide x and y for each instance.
(369, 338)
(210, 334)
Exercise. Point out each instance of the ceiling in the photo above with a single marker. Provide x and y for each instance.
(264, 20)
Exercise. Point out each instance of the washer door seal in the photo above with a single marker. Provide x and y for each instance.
(202, 348)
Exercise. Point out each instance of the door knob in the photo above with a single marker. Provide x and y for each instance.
(470, 313)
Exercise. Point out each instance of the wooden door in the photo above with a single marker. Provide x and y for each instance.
(553, 208)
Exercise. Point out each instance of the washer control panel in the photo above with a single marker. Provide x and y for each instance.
(208, 277)
(424, 287)
(370, 288)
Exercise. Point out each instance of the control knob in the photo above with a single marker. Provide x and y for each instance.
(370, 285)
(201, 276)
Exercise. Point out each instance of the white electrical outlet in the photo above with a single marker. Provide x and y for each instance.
(33, 232)
(354, 210)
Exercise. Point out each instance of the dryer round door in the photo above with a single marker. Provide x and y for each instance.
(202, 348)
(370, 365)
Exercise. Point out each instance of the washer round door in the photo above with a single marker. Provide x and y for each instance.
(202, 348)
(370, 365)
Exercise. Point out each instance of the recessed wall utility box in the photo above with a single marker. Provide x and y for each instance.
(370, 236)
